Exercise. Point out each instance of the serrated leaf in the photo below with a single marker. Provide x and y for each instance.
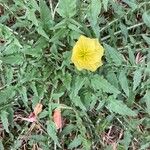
(75, 143)
(68, 129)
(124, 82)
(119, 107)
(64, 10)
(147, 39)
(112, 78)
(124, 30)
(67, 80)
(42, 32)
(4, 119)
(147, 100)
(127, 139)
(23, 91)
(10, 49)
(16, 59)
(77, 101)
(146, 18)
(93, 13)
(113, 54)
(51, 130)
(7, 93)
(100, 83)
(45, 14)
(9, 75)
(137, 78)
(131, 56)
(77, 85)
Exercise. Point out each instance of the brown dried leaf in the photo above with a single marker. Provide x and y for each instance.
(57, 118)
(38, 109)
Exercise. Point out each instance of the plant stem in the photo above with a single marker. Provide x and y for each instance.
(118, 32)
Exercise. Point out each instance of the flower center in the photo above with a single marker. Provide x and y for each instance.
(83, 54)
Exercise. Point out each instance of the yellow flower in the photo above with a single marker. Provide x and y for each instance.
(87, 54)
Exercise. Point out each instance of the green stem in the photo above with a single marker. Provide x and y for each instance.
(118, 32)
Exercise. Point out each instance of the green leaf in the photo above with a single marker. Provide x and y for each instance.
(16, 59)
(147, 100)
(105, 4)
(9, 75)
(60, 33)
(67, 8)
(131, 56)
(93, 14)
(112, 79)
(77, 101)
(30, 13)
(137, 78)
(23, 92)
(7, 93)
(1, 145)
(74, 28)
(4, 119)
(67, 80)
(126, 139)
(68, 129)
(42, 32)
(45, 14)
(113, 54)
(10, 49)
(124, 82)
(124, 30)
(75, 143)
(146, 18)
(77, 85)
(145, 146)
(119, 107)
(147, 39)
(94, 11)
(132, 3)
(100, 83)
(56, 96)
(51, 130)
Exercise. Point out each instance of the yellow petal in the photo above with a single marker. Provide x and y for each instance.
(87, 54)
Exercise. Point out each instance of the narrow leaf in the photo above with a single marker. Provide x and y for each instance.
(52, 132)
(146, 18)
(119, 107)
(137, 78)
(4, 119)
(75, 143)
(113, 54)
(100, 83)
(147, 100)
(124, 82)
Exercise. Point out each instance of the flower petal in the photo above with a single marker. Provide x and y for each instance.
(87, 54)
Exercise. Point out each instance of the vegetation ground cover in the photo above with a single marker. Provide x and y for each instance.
(47, 103)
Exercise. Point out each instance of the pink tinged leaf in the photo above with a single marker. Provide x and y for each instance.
(57, 118)
(31, 118)
(139, 58)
